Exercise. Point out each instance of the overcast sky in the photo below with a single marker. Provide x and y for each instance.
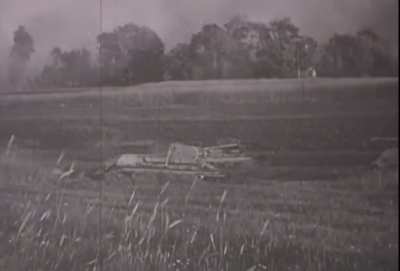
(75, 23)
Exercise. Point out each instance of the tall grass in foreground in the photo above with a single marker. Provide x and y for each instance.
(47, 232)
(50, 231)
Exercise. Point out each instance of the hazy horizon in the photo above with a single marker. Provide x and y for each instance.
(74, 25)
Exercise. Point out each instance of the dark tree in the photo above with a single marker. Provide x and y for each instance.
(276, 49)
(110, 59)
(21, 53)
(363, 54)
(216, 54)
(375, 60)
(68, 69)
(256, 40)
(131, 54)
(285, 46)
(341, 57)
(178, 63)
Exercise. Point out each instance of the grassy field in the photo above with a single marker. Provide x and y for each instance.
(309, 202)
(348, 222)
(313, 114)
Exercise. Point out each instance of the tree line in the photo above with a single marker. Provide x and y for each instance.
(241, 48)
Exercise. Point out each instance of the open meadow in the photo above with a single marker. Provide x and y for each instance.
(348, 222)
(309, 201)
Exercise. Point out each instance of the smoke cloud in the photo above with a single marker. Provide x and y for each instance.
(75, 24)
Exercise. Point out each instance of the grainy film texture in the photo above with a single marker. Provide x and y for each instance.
(199, 135)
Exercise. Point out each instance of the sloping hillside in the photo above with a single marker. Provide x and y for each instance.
(276, 114)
